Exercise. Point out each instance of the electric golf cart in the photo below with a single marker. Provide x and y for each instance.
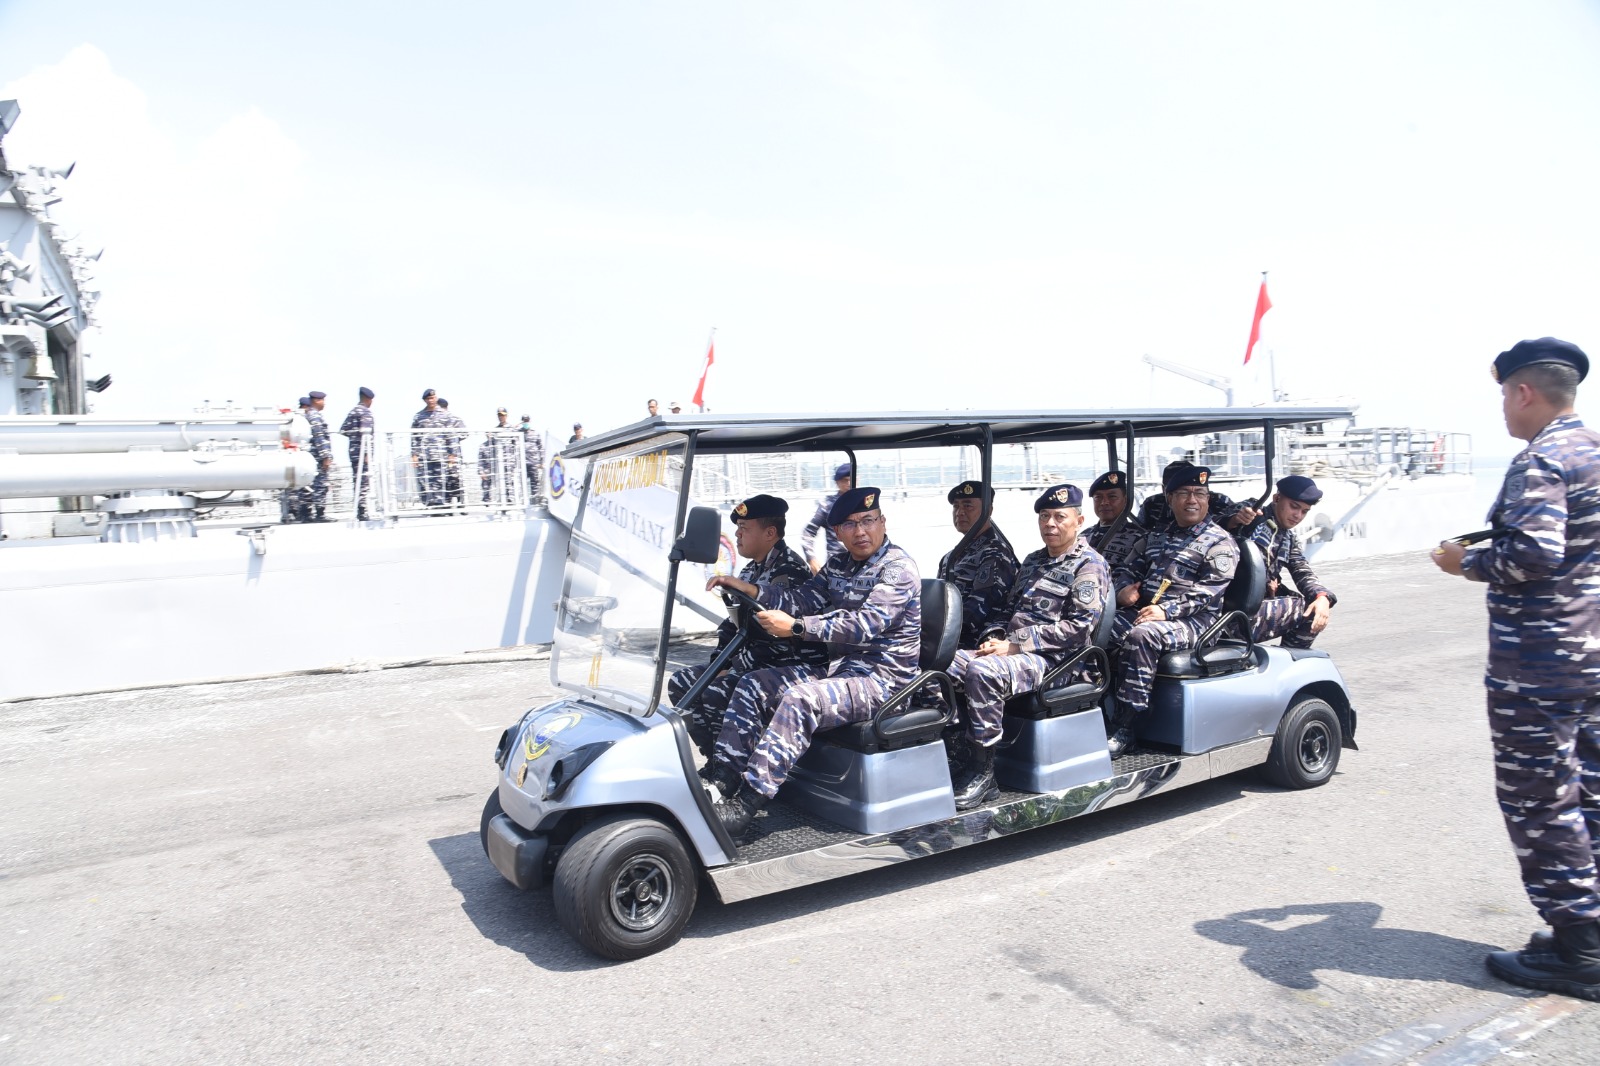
(598, 794)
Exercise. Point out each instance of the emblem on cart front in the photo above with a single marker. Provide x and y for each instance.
(538, 740)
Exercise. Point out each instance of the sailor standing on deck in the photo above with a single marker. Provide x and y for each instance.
(843, 479)
(1542, 566)
(429, 449)
(322, 452)
(357, 426)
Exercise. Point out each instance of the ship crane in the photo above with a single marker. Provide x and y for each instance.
(1224, 384)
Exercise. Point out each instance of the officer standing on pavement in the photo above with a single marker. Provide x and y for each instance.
(1168, 596)
(866, 605)
(322, 452)
(759, 526)
(358, 427)
(843, 479)
(1296, 617)
(986, 570)
(1117, 534)
(1542, 566)
(1052, 613)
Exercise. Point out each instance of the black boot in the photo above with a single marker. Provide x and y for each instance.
(1570, 966)
(361, 513)
(319, 517)
(721, 775)
(976, 785)
(1119, 728)
(738, 815)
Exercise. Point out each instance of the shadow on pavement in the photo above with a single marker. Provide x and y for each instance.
(522, 921)
(1345, 939)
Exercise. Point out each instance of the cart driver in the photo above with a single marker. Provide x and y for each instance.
(1052, 614)
(758, 535)
(1296, 617)
(1117, 543)
(986, 571)
(1169, 595)
(865, 605)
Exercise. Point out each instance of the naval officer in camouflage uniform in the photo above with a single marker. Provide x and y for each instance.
(1297, 617)
(1542, 566)
(430, 450)
(865, 604)
(454, 490)
(1117, 535)
(358, 427)
(316, 502)
(758, 535)
(533, 457)
(1196, 559)
(986, 570)
(1155, 511)
(842, 479)
(1052, 613)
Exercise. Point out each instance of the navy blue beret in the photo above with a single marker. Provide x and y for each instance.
(305, 401)
(761, 506)
(1177, 477)
(1300, 488)
(317, 395)
(842, 471)
(428, 392)
(848, 503)
(366, 393)
(1543, 350)
(1111, 479)
(970, 490)
(1059, 496)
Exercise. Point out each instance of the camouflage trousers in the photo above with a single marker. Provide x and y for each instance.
(1547, 778)
(1142, 646)
(430, 481)
(1283, 616)
(807, 700)
(360, 470)
(704, 719)
(317, 495)
(989, 681)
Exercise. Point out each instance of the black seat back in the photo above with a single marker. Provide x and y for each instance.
(1108, 622)
(941, 624)
(1249, 585)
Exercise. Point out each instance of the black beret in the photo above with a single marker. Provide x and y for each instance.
(848, 503)
(317, 395)
(1300, 488)
(367, 394)
(1543, 350)
(1111, 479)
(305, 401)
(428, 392)
(762, 506)
(970, 490)
(842, 471)
(1177, 477)
(443, 402)
(1059, 496)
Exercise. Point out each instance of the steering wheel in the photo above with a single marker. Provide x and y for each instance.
(735, 598)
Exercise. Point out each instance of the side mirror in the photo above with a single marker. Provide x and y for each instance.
(702, 537)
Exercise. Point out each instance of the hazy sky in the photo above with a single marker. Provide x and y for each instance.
(885, 205)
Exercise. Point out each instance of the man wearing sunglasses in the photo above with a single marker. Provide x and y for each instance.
(865, 604)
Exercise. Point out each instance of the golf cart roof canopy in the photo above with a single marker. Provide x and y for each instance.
(736, 434)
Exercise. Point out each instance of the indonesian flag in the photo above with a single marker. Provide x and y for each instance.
(1263, 305)
(711, 356)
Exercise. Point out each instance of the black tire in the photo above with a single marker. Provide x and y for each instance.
(1305, 751)
(490, 809)
(625, 887)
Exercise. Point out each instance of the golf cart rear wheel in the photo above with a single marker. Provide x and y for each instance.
(1305, 752)
(625, 887)
(490, 808)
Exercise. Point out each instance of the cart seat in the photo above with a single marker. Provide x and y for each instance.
(1051, 700)
(898, 724)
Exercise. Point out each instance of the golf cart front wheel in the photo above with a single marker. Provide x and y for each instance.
(625, 887)
(1305, 752)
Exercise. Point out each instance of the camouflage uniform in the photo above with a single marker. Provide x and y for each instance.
(1054, 609)
(782, 568)
(358, 426)
(430, 452)
(454, 489)
(1543, 676)
(819, 521)
(1120, 547)
(499, 458)
(985, 574)
(1155, 511)
(1200, 561)
(869, 614)
(1285, 615)
(533, 457)
(321, 448)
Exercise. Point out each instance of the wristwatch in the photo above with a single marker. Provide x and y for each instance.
(798, 629)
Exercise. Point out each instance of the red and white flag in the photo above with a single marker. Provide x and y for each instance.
(1263, 305)
(711, 356)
